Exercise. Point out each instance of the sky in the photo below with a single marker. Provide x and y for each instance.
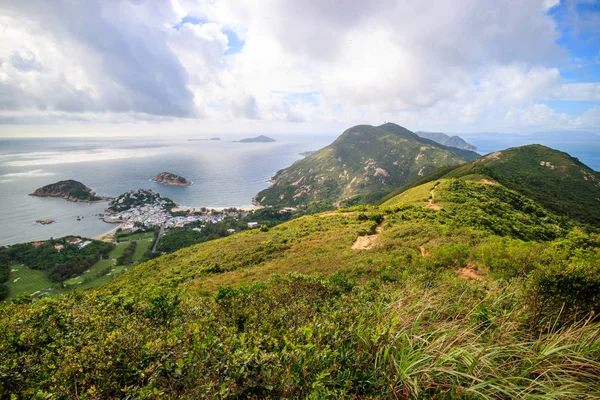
(122, 67)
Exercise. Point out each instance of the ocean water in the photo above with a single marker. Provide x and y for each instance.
(224, 174)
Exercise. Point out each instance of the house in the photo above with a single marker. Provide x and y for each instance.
(59, 247)
(230, 231)
(73, 240)
(252, 225)
(37, 244)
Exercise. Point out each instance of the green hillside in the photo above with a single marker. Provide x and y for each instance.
(457, 288)
(550, 177)
(361, 165)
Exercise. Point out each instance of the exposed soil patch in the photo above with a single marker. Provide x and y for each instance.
(487, 182)
(469, 272)
(367, 242)
(364, 242)
(430, 203)
(424, 253)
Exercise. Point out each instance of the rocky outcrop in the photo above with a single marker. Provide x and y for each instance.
(168, 178)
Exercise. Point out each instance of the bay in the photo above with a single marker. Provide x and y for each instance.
(224, 174)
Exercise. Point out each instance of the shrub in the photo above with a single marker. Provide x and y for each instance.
(164, 308)
(3, 292)
(566, 293)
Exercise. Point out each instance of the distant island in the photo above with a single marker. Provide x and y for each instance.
(203, 140)
(168, 178)
(69, 190)
(258, 139)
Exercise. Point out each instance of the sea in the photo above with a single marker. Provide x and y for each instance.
(224, 173)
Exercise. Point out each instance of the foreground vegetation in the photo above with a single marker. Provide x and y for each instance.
(472, 291)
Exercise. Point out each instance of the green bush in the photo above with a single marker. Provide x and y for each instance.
(164, 308)
(566, 293)
(3, 292)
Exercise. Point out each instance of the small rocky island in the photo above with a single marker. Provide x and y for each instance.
(258, 139)
(168, 178)
(44, 221)
(69, 190)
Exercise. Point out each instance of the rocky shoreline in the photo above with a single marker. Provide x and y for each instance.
(69, 190)
(70, 198)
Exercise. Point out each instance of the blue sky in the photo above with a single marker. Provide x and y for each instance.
(310, 66)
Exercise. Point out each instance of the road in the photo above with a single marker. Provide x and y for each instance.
(160, 233)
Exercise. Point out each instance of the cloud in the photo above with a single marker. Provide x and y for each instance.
(93, 56)
(576, 92)
(462, 63)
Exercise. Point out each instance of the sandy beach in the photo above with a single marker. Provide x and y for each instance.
(108, 236)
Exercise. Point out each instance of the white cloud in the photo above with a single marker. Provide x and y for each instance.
(576, 92)
(422, 64)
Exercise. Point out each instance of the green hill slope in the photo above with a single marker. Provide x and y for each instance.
(362, 164)
(550, 177)
(458, 288)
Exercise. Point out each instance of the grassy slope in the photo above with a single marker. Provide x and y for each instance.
(566, 186)
(404, 320)
(363, 163)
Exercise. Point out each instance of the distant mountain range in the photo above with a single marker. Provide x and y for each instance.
(363, 163)
(446, 140)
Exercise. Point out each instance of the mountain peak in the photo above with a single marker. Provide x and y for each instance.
(361, 164)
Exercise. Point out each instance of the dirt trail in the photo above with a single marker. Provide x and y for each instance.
(430, 203)
(469, 272)
(367, 242)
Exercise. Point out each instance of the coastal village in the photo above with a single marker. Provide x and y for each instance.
(153, 211)
(155, 215)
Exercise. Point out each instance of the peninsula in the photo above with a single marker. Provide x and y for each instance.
(69, 190)
(168, 178)
(258, 139)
